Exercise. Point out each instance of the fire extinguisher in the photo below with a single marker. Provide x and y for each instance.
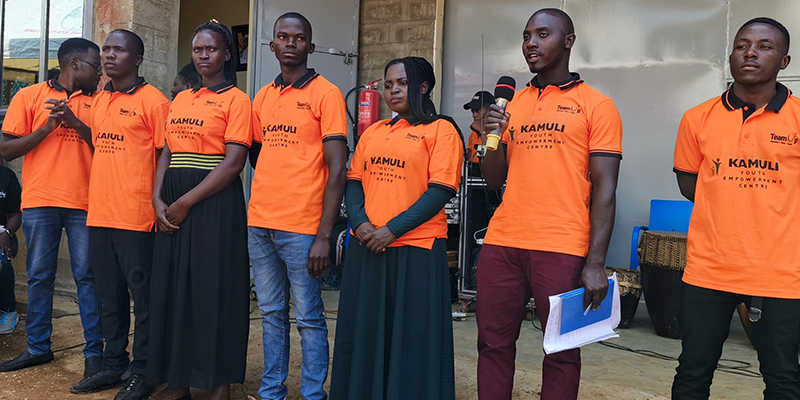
(369, 102)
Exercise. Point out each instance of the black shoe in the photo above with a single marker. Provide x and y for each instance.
(105, 379)
(25, 360)
(135, 389)
(92, 365)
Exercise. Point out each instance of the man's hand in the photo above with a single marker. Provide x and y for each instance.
(5, 245)
(494, 119)
(318, 256)
(67, 116)
(379, 239)
(55, 116)
(595, 283)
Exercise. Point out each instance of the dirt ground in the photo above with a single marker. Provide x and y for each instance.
(607, 373)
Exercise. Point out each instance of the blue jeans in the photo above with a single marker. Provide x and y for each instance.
(42, 228)
(280, 264)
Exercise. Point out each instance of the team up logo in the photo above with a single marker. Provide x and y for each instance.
(304, 106)
(127, 113)
(211, 103)
(414, 137)
(568, 109)
(789, 140)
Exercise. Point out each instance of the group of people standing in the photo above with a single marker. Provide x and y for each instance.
(150, 197)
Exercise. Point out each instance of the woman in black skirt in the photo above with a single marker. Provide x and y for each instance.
(199, 294)
(394, 334)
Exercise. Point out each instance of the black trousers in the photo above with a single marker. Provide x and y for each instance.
(705, 323)
(122, 261)
(8, 301)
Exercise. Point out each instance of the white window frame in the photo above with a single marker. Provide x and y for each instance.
(44, 40)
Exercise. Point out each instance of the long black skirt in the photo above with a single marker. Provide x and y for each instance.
(394, 332)
(199, 295)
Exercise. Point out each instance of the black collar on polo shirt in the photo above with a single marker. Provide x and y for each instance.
(733, 102)
(304, 80)
(221, 88)
(53, 83)
(131, 90)
(574, 80)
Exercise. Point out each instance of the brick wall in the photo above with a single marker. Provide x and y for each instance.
(156, 22)
(392, 29)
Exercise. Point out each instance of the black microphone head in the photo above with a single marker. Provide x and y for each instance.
(505, 88)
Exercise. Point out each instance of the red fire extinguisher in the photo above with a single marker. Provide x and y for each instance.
(369, 102)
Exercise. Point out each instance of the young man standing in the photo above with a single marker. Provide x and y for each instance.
(743, 145)
(302, 132)
(561, 152)
(46, 123)
(128, 119)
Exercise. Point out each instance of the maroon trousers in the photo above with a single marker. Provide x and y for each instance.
(507, 279)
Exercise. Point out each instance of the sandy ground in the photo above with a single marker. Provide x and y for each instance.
(607, 373)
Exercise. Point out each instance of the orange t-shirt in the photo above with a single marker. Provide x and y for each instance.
(291, 123)
(127, 130)
(395, 164)
(203, 120)
(56, 172)
(551, 134)
(742, 235)
(472, 146)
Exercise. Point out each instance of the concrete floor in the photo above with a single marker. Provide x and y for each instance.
(607, 373)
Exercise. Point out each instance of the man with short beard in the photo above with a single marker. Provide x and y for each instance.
(47, 123)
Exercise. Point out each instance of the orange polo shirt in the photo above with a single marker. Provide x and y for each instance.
(203, 120)
(127, 130)
(292, 122)
(743, 232)
(472, 146)
(56, 172)
(397, 162)
(552, 132)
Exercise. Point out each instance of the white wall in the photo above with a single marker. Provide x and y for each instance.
(655, 59)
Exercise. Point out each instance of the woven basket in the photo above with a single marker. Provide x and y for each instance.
(663, 249)
(628, 280)
(629, 293)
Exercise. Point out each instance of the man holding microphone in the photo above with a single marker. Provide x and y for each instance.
(559, 154)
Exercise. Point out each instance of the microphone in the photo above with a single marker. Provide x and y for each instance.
(503, 93)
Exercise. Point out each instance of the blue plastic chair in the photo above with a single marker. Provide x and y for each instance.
(665, 215)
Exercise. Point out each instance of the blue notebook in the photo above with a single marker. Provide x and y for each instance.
(572, 309)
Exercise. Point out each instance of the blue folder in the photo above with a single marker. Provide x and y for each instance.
(572, 309)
